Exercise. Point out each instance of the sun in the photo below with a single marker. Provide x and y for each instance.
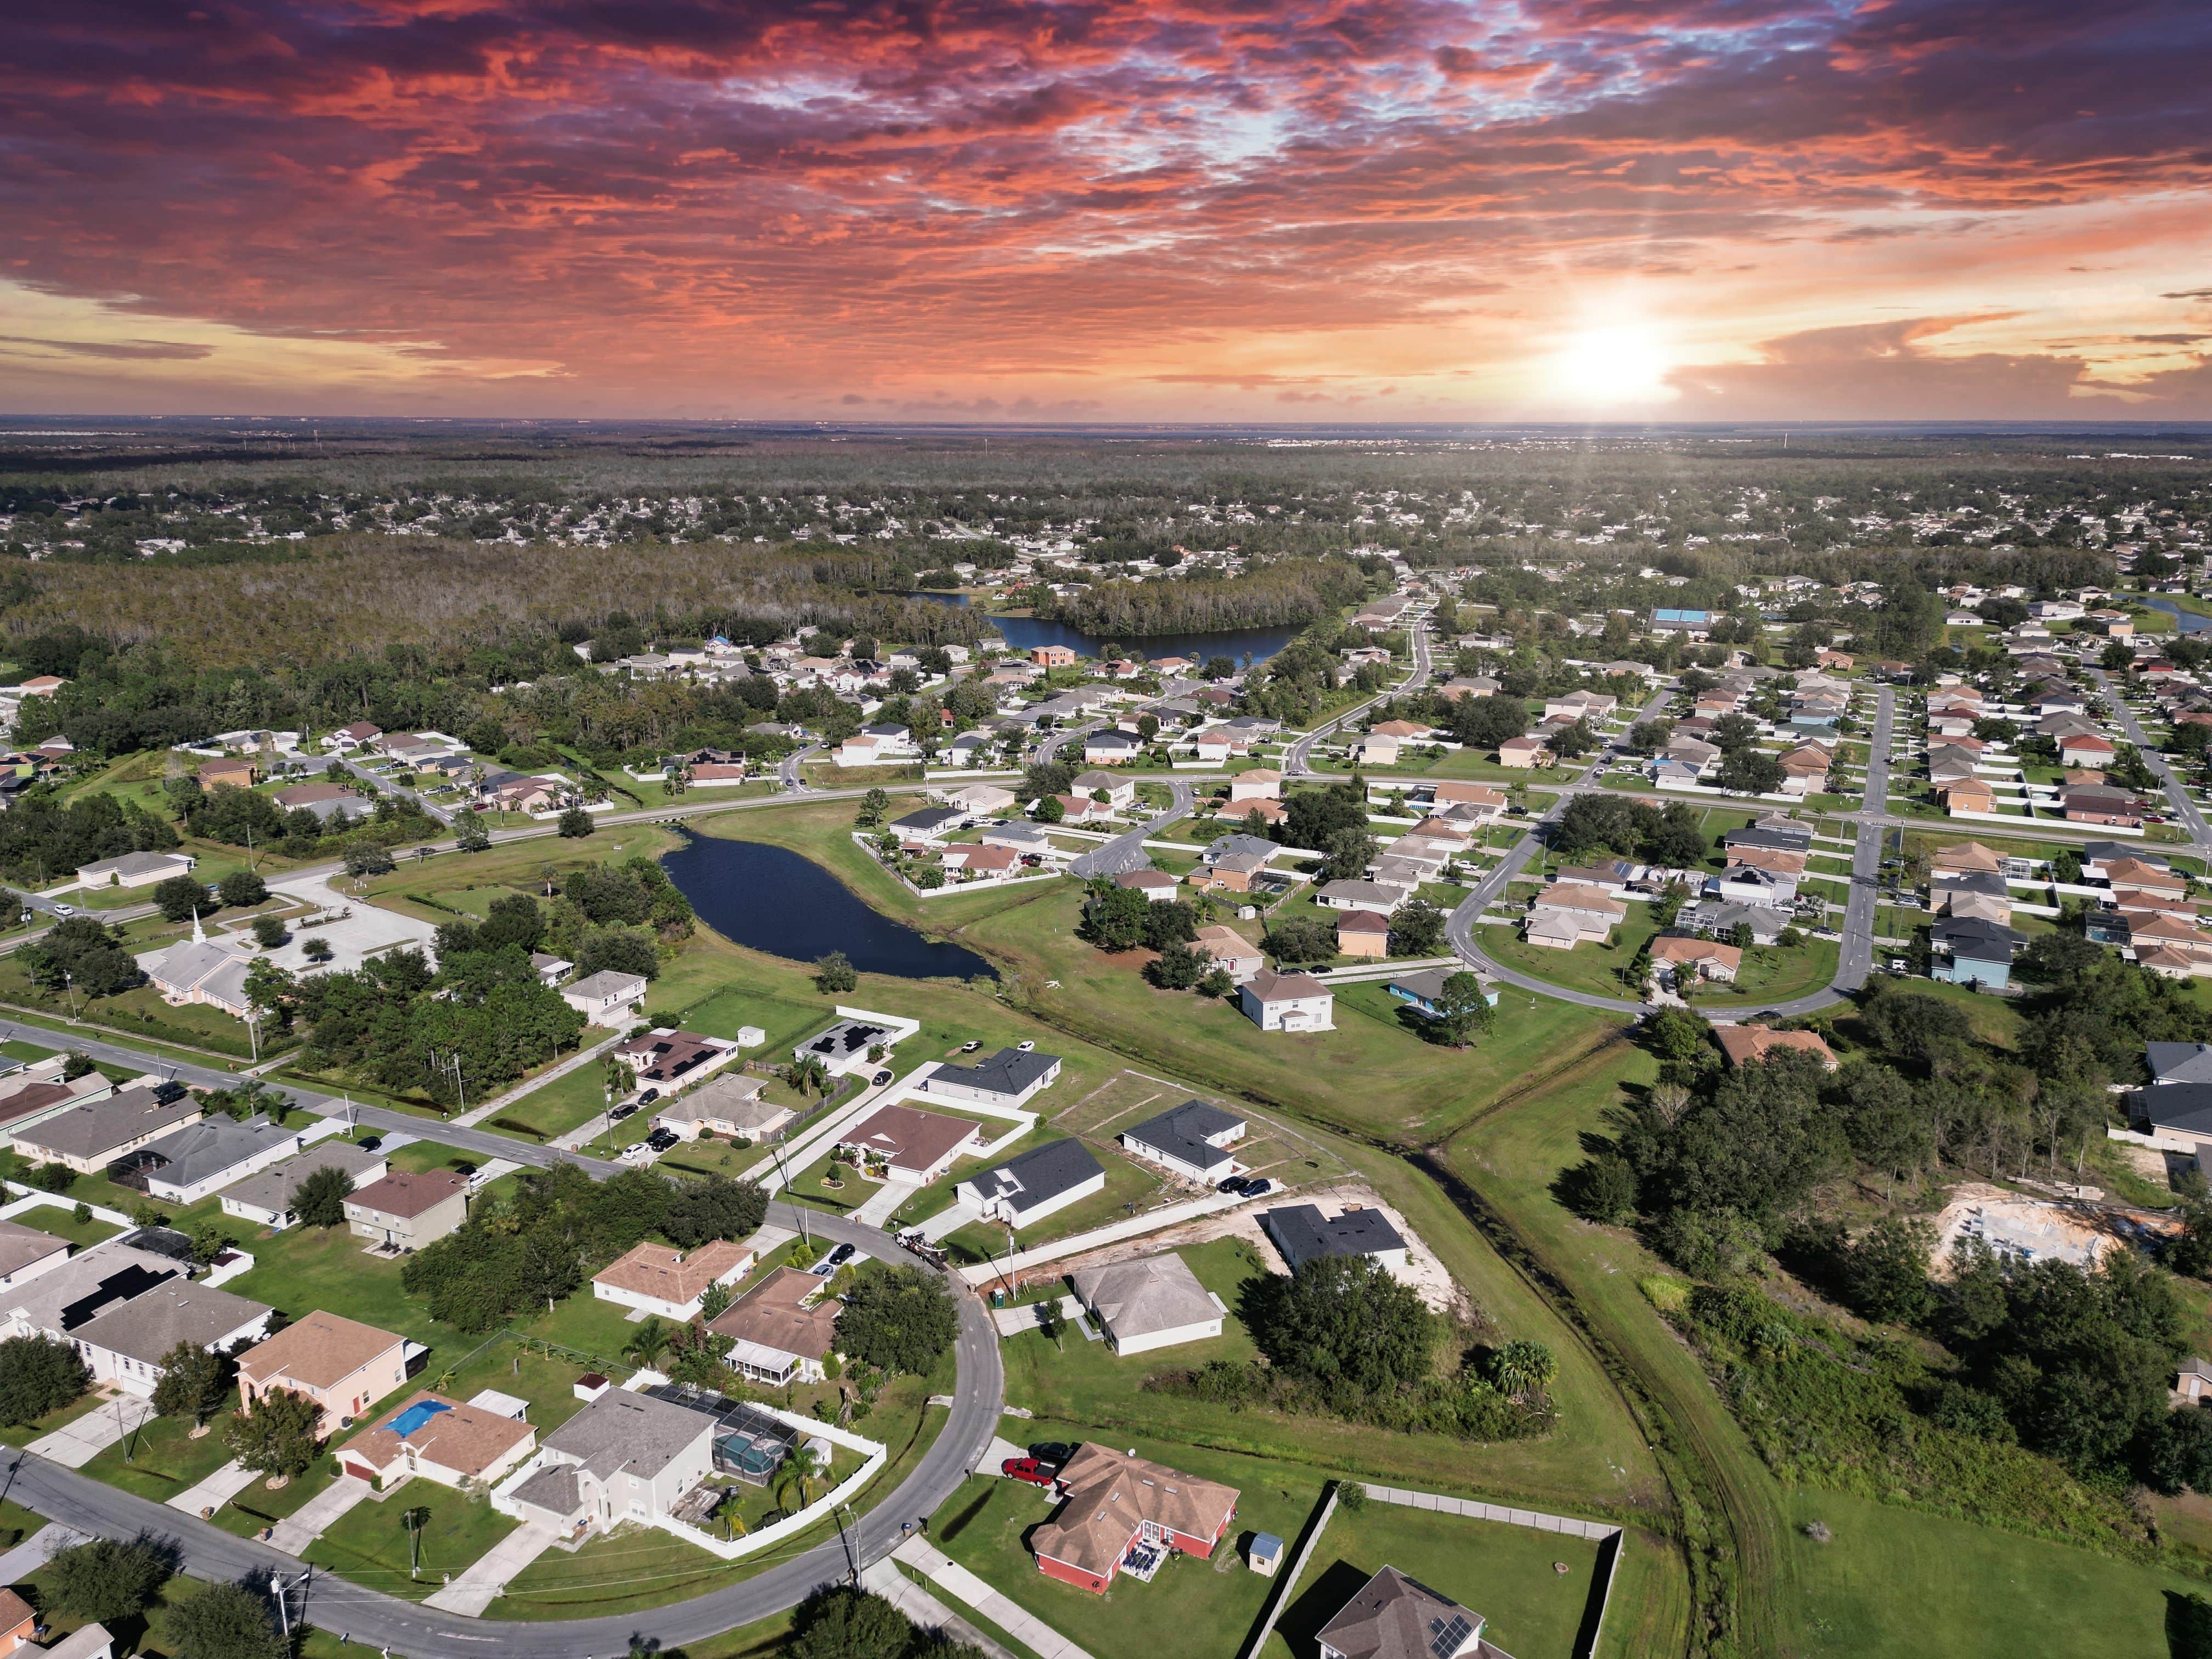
(1624, 364)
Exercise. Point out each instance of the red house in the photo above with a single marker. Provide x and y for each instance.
(1124, 1514)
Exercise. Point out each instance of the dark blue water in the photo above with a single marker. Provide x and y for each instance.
(1027, 632)
(775, 900)
(2189, 621)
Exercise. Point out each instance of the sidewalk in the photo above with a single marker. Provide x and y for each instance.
(963, 1585)
(1136, 1227)
(924, 1610)
(77, 1444)
(317, 1515)
(479, 1585)
(216, 1489)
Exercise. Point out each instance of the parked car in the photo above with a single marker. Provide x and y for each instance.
(881, 1078)
(1258, 1187)
(1026, 1469)
(646, 1097)
(661, 1139)
(1231, 1184)
(637, 1152)
(972, 1045)
(622, 1112)
(1026, 1048)
(840, 1256)
(1051, 1453)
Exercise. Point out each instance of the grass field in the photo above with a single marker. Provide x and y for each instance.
(1505, 1573)
(370, 1544)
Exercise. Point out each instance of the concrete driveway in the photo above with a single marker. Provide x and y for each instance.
(479, 1586)
(77, 1444)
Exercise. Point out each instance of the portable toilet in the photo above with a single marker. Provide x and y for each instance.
(1265, 1553)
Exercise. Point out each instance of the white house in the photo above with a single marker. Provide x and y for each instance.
(134, 870)
(1193, 1141)
(1155, 1302)
(1287, 1002)
(126, 1344)
(1043, 1180)
(656, 1280)
(605, 998)
(202, 1158)
(266, 1200)
(626, 1456)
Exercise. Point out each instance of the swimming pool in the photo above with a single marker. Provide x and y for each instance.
(416, 1416)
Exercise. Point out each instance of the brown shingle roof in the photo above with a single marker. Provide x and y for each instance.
(320, 1350)
(770, 1314)
(1111, 1493)
(406, 1192)
(655, 1270)
(466, 1439)
(1745, 1043)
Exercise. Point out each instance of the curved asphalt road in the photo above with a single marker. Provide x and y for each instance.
(375, 1619)
(1127, 851)
(1295, 759)
(1854, 960)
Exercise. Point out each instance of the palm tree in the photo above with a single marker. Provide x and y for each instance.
(414, 1520)
(648, 1344)
(799, 1473)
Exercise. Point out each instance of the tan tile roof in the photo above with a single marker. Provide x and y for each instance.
(655, 1270)
(1111, 1493)
(1745, 1043)
(319, 1351)
(466, 1439)
(405, 1192)
(1669, 947)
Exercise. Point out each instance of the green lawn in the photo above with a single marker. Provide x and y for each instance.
(1190, 1608)
(1592, 968)
(558, 1107)
(1894, 1583)
(1505, 1573)
(369, 1543)
(305, 1268)
(23, 1434)
(160, 1459)
(1771, 973)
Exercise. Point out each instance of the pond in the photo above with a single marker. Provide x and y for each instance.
(1027, 632)
(773, 899)
(2189, 621)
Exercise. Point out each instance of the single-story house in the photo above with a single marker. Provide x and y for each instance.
(1008, 1079)
(342, 1365)
(1394, 1617)
(125, 1345)
(728, 1105)
(1569, 914)
(1743, 1044)
(1229, 949)
(25, 1253)
(91, 1137)
(1155, 1303)
(658, 1279)
(1425, 989)
(1287, 1002)
(1685, 954)
(1192, 1140)
(1121, 792)
(1111, 748)
(69, 1293)
(929, 824)
(134, 870)
(909, 1144)
(847, 1046)
(1117, 1501)
(781, 1330)
(1025, 1189)
(187, 1165)
(1354, 895)
(1157, 885)
(606, 997)
(441, 1440)
(266, 1198)
(665, 1057)
(2087, 748)
(405, 1211)
(1302, 1234)
(626, 1456)
(39, 1092)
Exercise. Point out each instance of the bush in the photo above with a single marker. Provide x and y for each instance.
(576, 823)
(269, 931)
(109, 1579)
(898, 1319)
(243, 889)
(38, 1374)
(835, 975)
(178, 896)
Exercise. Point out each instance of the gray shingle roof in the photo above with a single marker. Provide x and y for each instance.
(272, 1189)
(148, 1326)
(1138, 1298)
(1038, 1176)
(209, 1147)
(1302, 1234)
(2179, 1062)
(95, 1130)
(1183, 1133)
(1009, 1071)
(621, 1428)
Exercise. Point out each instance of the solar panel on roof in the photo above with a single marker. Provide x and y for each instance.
(1444, 1638)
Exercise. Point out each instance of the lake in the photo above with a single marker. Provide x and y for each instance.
(1027, 632)
(2189, 621)
(773, 899)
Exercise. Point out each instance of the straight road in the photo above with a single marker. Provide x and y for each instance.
(2199, 834)
(1295, 759)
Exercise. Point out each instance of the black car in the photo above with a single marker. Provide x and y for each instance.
(646, 1097)
(622, 1112)
(1053, 1452)
(882, 1077)
(661, 1139)
(1233, 1184)
(840, 1255)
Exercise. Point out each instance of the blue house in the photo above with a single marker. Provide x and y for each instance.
(1972, 951)
(1426, 989)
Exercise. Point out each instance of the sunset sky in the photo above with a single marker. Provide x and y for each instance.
(1108, 210)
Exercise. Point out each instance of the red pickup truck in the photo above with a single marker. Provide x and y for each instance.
(1026, 1469)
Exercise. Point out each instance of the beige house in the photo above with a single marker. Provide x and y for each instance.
(406, 1210)
(1260, 783)
(89, 1137)
(342, 1365)
(1287, 1002)
(1697, 959)
(1525, 753)
(728, 1105)
(1231, 950)
(441, 1440)
(1568, 914)
(656, 1280)
(1363, 934)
